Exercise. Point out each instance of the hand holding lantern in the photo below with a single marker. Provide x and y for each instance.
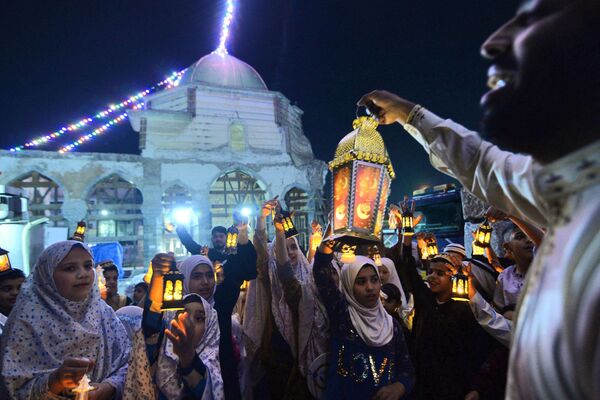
(483, 238)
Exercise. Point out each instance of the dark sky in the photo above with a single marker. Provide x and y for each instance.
(62, 60)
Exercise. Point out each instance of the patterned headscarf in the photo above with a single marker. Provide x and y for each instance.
(45, 328)
(208, 352)
(188, 266)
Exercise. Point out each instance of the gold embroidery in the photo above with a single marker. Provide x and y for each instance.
(365, 373)
(340, 367)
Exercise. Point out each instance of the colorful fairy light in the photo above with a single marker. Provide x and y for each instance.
(222, 49)
(132, 102)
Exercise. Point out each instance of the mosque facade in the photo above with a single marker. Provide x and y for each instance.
(217, 142)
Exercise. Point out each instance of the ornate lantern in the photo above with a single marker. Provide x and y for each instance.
(288, 224)
(232, 239)
(460, 286)
(432, 248)
(4, 261)
(79, 234)
(173, 289)
(362, 174)
(375, 255)
(347, 253)
(483, 238)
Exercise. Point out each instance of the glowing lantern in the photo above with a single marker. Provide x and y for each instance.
(4, 261)
(232, 239)
(83, 388)
(483, 238)
(288, 224)
(148, 274)
(407, 224)
(173, 289)
(362, 174)
(432, 248)
(101, 278)
(460, 286)
(79, 234)
(375, 255)
(347, 253)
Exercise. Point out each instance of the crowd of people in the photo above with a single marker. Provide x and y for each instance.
(267, 321)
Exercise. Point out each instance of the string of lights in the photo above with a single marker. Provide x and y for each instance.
(222, 49)
(169, 82)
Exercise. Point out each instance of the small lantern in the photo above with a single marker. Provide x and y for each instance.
(362, 174)
(407, 224)
(432, 248)
(375, 255)
(169, 227)
(232, 239)
(483, 238)
(173, 289)
(83, 388)
(79, 234)
(101, 278)
(460, 286)
(347, 253)
(288, 224)
(4, 261)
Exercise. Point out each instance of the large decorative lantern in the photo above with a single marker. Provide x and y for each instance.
(432, 247)
(288, 224)
(4, 261)
(232, 239)
(483, 238)
(79, 234)
(460, 286)
(172, 289)
(362, 174)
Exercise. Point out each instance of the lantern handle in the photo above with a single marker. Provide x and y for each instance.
(371, 110)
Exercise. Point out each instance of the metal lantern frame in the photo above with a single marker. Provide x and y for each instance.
(460, 286)
(232, 239)
(407, 225)
(288, 224)
(432, 248)
(4, 261)
(483, 234)
(173, 289)
(362, 148)
(79, 234)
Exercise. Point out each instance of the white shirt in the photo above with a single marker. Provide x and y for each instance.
(3, 319)
(555, 352)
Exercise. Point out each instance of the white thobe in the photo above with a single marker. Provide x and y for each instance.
(555, 351)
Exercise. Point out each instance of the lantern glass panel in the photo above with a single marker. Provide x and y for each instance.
(4, 262)
(385, 189)
(368, 178)
(341, 192)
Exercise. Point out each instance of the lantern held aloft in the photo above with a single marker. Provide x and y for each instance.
(483, 238)
(288, 224)
(232, 240)
(460, 286)
(79, 234)
(362, 174)
(4, 261)
(172, 289)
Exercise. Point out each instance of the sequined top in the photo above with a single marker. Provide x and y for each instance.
(357, 371)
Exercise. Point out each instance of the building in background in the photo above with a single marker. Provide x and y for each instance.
(216, 142)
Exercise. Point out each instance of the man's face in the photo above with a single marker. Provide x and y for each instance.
(521, 248)
(9, 289)
(439, 278)
(112, 282)
(219, 239)
(539, 74)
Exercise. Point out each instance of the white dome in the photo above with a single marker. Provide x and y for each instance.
(223, 70)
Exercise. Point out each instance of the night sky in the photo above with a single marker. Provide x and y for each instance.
(62, 60)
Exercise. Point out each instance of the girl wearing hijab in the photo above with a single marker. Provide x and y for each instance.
(180, 362)
(288, 330)
(368, 355)
(60, 329)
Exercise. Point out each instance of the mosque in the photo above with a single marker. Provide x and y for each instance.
(218, 141)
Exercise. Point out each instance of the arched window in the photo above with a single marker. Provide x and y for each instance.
(297, 200)
(177, 209)
(115, 214)
(45, 197)
(234, 190)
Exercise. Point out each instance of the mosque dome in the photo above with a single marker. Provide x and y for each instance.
(225, 71)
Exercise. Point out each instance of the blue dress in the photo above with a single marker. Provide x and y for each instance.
(356, 370)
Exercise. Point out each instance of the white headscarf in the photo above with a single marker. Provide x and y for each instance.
(131, 318)
(395, 279)
(188, 266)
(44, 328)
(208, 352)
(374, 325)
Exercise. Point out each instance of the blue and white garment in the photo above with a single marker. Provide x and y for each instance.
(44, 328)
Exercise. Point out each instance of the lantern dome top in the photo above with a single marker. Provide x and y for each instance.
(363, 143)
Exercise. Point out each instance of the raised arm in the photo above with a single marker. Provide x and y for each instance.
(498, 177)
(188, 242)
